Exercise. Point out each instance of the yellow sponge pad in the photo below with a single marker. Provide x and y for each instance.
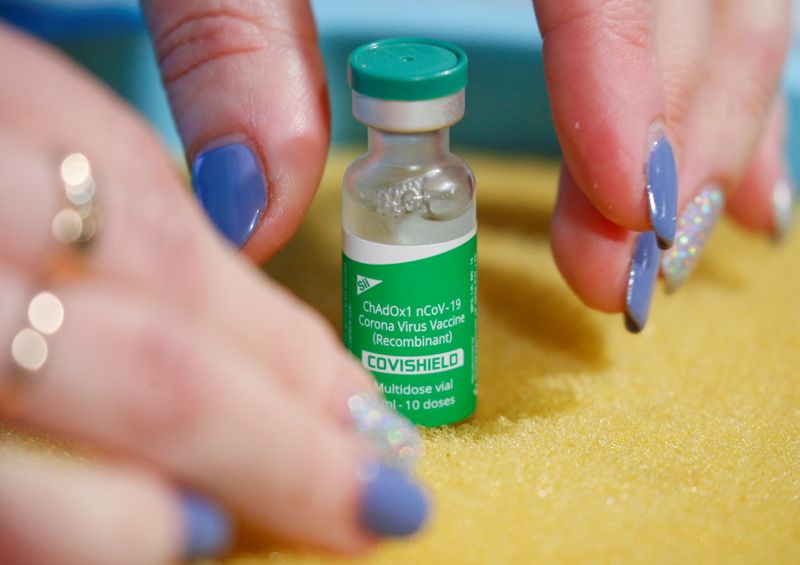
(681, 444)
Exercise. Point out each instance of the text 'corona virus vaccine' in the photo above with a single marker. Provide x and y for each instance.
(409, 268)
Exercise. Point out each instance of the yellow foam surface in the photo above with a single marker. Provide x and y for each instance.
(681, 444)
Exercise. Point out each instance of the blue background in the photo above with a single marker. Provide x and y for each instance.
(507, 107)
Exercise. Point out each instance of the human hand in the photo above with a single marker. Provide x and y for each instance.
(246, 84)
(177, 362)
(624, 74)
(700, 76)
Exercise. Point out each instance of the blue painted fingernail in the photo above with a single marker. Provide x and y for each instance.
(229, 182)
(393, 437)
(207, 528)
(641, 279)
(392, 506)
(662, 191)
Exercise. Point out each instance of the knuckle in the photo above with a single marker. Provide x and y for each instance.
(758, 81)
(753, 100)
(296, 491)
(766, 50)
(325, 340)
(152, 239)
(677, 108)
(200, 34)
(140, 141)
(303, 329)
(681, 77)
(679, 91)
(162, 396)
(758, 49)
(761, 31)
(325, 377)
(331, 390)
(629, 22)
(203, 36)
(309, 464)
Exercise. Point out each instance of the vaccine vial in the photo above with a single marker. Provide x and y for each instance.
(409, 271)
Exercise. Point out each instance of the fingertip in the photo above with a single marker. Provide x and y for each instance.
(392, 505)
(207, 528)
(610, 268)
(592, 253)
(257, 185)
(251, 71)
(295, 171)
(604, 130)
(56, 510)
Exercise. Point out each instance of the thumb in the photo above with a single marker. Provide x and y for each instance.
(247, 88)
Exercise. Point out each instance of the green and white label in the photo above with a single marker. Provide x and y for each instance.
(410, 318)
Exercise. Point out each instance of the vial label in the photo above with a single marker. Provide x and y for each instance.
(410, 318)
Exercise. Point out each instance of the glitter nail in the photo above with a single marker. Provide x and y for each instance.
(396, 440)
(693, 229)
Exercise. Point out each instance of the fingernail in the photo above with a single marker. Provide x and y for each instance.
(392, 505)
(393, 437)
(782, 208)
(207, 528)
(662, 190)
(641, 279)
(230, 184)
(694, 227)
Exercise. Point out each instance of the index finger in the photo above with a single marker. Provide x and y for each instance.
(608, 106)
(154, 239)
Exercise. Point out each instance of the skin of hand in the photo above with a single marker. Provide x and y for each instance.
(707, 72)
(703, 74)
(164, 296)
(178, 361)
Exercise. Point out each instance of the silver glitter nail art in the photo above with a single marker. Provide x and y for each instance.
(396, 439)
(693, 229)
(782, 208)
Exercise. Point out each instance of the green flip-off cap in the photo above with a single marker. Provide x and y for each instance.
(407, 68)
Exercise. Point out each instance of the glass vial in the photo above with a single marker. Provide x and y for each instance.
(409, 270)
